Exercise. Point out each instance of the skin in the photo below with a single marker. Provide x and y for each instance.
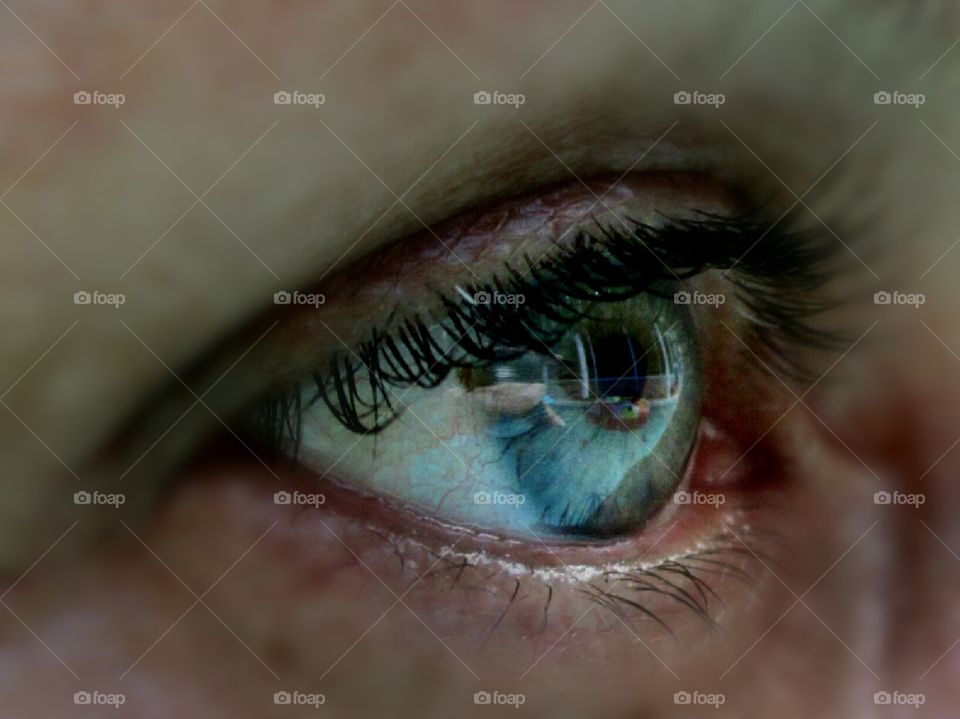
(281, 602)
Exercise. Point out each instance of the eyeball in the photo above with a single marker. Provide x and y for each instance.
(586, 438)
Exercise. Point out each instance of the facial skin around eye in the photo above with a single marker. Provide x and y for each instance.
(671, 577)
(369, 612)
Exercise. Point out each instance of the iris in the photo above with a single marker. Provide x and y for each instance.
(591, 431)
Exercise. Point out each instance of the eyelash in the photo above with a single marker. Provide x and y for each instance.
(687, 579)
(777, 274)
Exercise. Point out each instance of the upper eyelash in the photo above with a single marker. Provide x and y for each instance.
(777, 274)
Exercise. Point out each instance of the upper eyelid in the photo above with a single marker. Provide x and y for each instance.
(675, 251)
(253, 377)
(383, 285)
(381, 281)
(268, 365)
(691, 246)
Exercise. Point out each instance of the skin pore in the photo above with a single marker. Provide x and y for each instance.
(199, 198)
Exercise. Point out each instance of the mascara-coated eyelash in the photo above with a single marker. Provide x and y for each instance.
(776, 274)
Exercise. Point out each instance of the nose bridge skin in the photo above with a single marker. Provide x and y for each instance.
(907, 436)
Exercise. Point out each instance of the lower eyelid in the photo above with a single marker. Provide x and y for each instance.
(406, 547)
(334, 570)
(501, 615)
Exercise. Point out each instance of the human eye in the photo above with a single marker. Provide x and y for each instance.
(558, 398)
(558, 401)
(552, 416)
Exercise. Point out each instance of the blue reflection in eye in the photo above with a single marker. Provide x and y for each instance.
(577, 425)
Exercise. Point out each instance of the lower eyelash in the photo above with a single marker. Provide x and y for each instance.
(690, 590)
(696, 596)
(687, 580)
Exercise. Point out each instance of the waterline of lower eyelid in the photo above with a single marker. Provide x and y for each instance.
(570, 573)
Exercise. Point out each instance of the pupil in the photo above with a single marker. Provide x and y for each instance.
(619, 366)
